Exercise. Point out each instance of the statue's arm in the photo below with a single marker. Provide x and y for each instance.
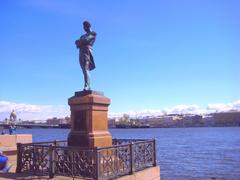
(88, 39)
(81, 42)
(85, 41)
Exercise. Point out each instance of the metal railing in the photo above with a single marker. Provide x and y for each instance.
(124, 157)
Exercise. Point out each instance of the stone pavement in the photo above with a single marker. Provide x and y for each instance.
(152, 173)
(24, 176)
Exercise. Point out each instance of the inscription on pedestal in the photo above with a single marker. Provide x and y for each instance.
(80, 123)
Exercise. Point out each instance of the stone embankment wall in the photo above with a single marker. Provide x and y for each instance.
(8, 145)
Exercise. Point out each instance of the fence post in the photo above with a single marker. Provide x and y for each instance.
(97, 163)
(54, 151)
(154, 153)
(55, 142)
(34, 166)
(19, 158)
(51, 163)
(131, 158)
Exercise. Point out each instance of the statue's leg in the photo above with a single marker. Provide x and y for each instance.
(86, 75)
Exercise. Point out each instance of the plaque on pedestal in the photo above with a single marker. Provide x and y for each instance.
(89, 120)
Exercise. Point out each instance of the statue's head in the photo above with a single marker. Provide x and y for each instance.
(86, 26)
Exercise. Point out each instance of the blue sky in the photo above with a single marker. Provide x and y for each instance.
(149, 54)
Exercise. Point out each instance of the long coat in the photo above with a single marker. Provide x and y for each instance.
(85, 44)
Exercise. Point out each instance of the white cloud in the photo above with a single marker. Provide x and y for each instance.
(183, 109)
(31, 111)
(236, 105)
(43, 112)
(220, 107)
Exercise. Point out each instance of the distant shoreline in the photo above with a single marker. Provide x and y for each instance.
(178, 127)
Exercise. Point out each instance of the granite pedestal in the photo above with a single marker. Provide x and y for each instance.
(89, 120)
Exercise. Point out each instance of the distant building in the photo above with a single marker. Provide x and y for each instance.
(111, 123)
(53, 121)
(160, 121)
(56, 121)
(231, 118)
(208, 120)
(67, 120)
(192, 120)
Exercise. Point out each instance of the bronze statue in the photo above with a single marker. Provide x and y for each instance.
(86, 60)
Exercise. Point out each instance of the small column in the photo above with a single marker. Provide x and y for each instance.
(89, 120)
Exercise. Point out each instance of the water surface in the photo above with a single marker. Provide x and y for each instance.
(183, 153)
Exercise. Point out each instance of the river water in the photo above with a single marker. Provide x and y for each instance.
(182, 153)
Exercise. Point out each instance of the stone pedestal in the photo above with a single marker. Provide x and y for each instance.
(89, 120)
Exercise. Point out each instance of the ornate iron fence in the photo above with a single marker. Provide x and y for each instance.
(126, 156)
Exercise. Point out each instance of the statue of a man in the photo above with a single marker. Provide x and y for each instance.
(86, 60)
(13, 116)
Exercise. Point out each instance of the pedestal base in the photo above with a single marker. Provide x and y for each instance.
(96, 139)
